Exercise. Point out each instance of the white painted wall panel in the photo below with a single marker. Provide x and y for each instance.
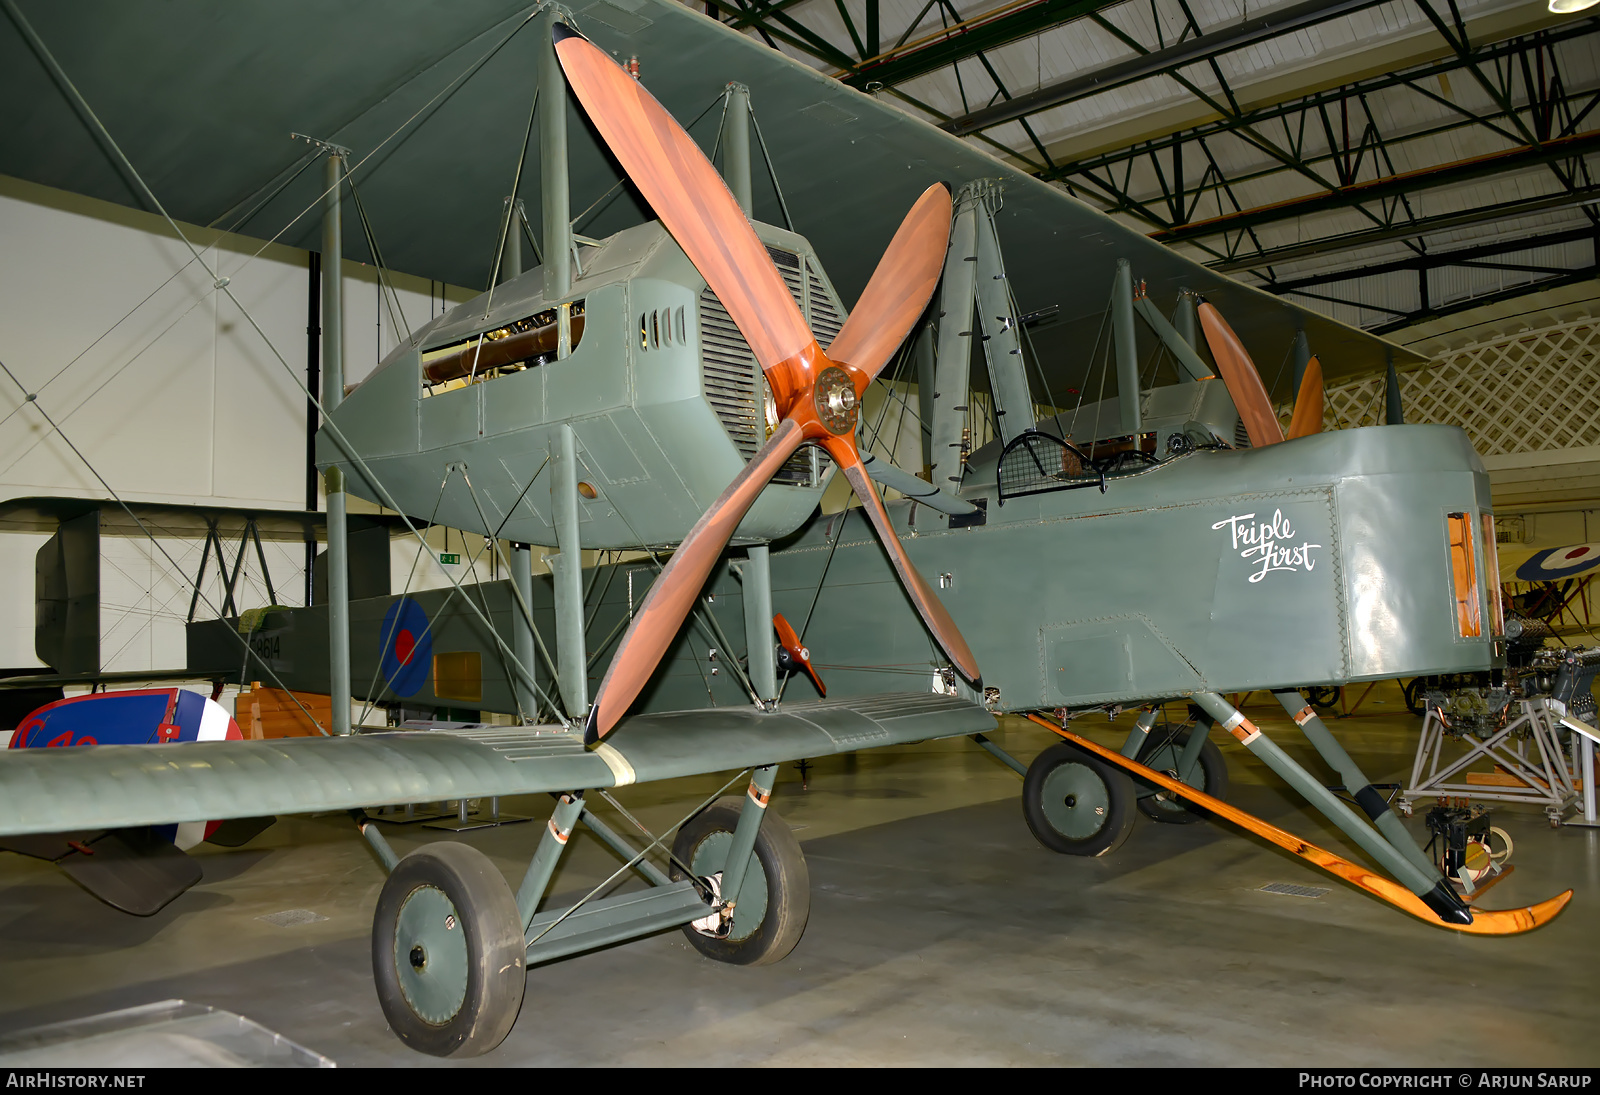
(169, 390)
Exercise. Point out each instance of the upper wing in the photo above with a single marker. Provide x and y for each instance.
(117, 786)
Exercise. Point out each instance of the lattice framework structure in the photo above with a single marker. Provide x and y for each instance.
(1528, 392)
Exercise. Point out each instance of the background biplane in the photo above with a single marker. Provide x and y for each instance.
(1049, 572)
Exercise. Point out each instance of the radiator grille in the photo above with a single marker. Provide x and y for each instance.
(733, 382)
(825, 321)
(728, 370)
(1241, 436)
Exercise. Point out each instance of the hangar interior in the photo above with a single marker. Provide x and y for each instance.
(1397, 191)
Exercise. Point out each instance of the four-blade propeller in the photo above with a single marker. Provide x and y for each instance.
(1250, 398)
(818, 392)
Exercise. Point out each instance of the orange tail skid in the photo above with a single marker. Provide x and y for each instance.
(1484, 922)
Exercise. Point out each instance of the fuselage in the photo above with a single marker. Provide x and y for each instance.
(1324, 560)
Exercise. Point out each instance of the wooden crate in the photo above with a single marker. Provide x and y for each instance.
(1502, 778)
(264, 713)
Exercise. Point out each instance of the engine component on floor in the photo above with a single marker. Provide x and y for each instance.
(1463, 843)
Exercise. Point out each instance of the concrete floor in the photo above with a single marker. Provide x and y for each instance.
(940, 934)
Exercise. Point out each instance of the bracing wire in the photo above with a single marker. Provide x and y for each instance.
(391, 296)
(335, 434)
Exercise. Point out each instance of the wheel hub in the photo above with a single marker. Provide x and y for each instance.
(835, 396)
(1082, 797)
(749, 904)
(430, 955)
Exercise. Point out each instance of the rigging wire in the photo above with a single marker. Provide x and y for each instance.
(381, 267)
(150, 536)
(511, 205)
(615, 187)
(335, 434)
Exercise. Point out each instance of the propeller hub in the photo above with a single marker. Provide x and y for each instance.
(835, 396)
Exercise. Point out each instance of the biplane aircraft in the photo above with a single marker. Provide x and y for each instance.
(684, 389)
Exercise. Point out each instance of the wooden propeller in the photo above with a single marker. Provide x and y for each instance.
(1307, 418)
(1484, 922)
(817, 392)
(1243, 381)
(796, 653)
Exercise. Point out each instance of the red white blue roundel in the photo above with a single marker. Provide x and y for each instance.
(407, 644)
(1553, 564)
(147, 716)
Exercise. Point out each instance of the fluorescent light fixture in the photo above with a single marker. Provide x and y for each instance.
(1568, 7)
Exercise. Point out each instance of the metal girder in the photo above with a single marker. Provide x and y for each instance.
(1408, 78)
(1559, 112)
(1156, 63)
(1461, 256)
(947, 46)
(1496, 163)
(1410, 230)
(1408, 318)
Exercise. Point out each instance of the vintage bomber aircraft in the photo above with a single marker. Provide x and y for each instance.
(1332, 558)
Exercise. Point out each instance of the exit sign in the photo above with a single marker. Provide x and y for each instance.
(449, 558)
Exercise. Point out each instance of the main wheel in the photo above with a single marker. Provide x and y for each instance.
(771, 907)
(1415, 703)
(1076, 803)
(1318, 696)
(1163, 750)
(447, 952)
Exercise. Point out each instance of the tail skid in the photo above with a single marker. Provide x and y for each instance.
(1484, 922)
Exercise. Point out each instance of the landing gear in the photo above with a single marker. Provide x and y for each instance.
(447, 952)
(773, 902)
(1077, 804)
(1413, 693)
(1164, 751)
(1321, 697)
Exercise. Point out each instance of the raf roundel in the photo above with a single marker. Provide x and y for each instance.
(1553, 564)
(407, 643)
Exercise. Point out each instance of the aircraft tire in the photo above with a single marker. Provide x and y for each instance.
(1162, 752)
(1077, 804)
(774, 901)
(447, 952)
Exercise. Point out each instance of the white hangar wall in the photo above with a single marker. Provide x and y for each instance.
(166, 389)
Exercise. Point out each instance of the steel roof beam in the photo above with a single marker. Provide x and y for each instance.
(1461, 256)
(1453, 63)
(1156, 63)
(964, 40)
(1428, 178)
(1412, 230)
(1582, 274)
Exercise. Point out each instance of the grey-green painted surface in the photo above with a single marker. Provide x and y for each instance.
(635, 392)
(557, 933)
(220, 87)
(1002, 345)
(113, 786)
(1078, 598)
(947, 403)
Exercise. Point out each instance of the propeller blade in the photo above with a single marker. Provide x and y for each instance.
(694, 204)
(672, 595)
(945, 632)
(900, 288)
(1243, 381)
(1307, 418)
(799, 656)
